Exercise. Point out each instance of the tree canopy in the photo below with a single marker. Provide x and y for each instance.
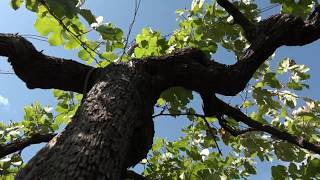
(272, 117)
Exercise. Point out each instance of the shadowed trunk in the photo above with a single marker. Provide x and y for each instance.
(111, 130)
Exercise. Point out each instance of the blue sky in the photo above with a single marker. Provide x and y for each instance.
(157, 14)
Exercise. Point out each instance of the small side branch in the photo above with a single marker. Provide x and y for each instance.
(211, 131)
(179, 114)
(240, 116)
(234, 132)
(192, 69)
(23, 143)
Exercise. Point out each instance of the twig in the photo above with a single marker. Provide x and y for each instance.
(240, 116)
(136, 9)
(262, 10)
(224, 124)
(197, 115)
(178, 114)
(23, 143)
(75, 36)
(10, 73)
(212, 134)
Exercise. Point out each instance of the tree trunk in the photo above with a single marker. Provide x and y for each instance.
(111, 131)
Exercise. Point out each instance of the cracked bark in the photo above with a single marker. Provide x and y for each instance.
(112, 129)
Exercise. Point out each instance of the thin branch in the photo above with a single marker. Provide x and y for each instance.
(23, 143)
(75, 36)
(10, 73)
(212, 134)
(136, 9)
(35, 37)
(83, 33)
(164, 108)
(239, 18)
(224, 124)
(267, 8)
(314, 13)
(178, 114)
(240, 116)
(196, 115)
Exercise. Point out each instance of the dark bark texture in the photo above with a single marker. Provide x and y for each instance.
(113, 128)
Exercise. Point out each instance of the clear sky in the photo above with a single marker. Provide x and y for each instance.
(157, 14)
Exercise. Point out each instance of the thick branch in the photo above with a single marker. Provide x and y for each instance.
(40, 71)
(189, 68)
(23, 143)
(274, 32)
(192, 69)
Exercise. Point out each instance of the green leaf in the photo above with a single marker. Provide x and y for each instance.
(279, 172)
(195, 155)
(16, 4)
(288, 98)
(287, 152)
(150, 43)
(71, 42)
(250, 168)
(157, 144)
(32, 5)
(293, 170)
(295, 85)
(63, 8)
(87, 54)
(48, 26)
(108, 32)
(109, 56)
(87, 15)
(313, 168)
(196, 6)
(161, 102)
(55, 39)
(298, 8)
(178, 98)
(271, 79)
(84, 55)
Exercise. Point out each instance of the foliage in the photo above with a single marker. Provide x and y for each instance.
(273, 96)
(37, 120)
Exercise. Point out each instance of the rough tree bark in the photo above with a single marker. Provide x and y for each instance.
(113, 129)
